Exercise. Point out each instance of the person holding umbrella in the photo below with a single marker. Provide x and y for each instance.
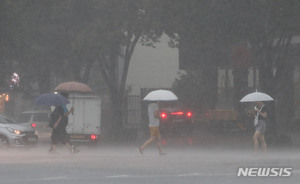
(260, 117)
(153, 113)
(59, 132)
(58, 119)
(155, 97)
(260, 120)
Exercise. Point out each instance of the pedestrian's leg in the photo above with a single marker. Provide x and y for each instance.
(255, 141)
(158, 143)
(69, 146)
(52, 148)
(72, 148)
(53, 142)
(263, 142)
(149, 141)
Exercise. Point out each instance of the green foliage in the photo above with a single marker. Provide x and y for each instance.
(66, 36)
(207, 28)
(73, 34)
(63, 36)
(191, 90)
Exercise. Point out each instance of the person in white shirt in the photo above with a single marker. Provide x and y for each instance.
(153, 113)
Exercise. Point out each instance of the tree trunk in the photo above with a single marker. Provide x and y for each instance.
(87, 71)
(44, 80)
(240, 80)
(279, 85)
(117, 116)
(210, 79)
(285, 100)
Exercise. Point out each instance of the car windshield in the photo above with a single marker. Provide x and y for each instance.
(171, 106)
(24, 118)
(168, 104)
(7, 120)
(36, 117)
(40, 117)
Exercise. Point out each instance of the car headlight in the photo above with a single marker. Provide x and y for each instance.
(13, 131)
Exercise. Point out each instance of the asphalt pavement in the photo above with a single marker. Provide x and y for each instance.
(121, 163)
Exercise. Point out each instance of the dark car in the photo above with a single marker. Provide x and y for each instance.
(175, 120)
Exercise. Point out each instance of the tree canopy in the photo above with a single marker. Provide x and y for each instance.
(42, 38)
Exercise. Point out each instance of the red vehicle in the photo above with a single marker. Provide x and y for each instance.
(175, 120)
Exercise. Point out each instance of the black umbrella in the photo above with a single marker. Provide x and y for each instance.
(51, 99)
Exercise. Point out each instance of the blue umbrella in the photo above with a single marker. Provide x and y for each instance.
(51, 99)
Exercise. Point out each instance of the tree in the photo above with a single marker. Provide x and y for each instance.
(60, 36)
(267, 25)
(109, 36)
(194, 97)
(272, 29)
(205, 36)
(35, 40)
(77, 34)
(7, 22)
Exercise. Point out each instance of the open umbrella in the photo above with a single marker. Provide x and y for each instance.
(69, 87)
(160, 95)
(51, 99)
(256, 96)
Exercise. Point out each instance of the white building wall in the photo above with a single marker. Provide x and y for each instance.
(153, 67)
(223, 79)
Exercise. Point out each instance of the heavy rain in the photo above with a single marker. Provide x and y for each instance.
(149, 91)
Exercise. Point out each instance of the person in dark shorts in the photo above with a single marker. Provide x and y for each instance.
(260, 123)
(59, 132)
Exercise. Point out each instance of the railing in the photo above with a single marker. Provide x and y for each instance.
(132, 111)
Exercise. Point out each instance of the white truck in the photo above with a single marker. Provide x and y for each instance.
(84, 124)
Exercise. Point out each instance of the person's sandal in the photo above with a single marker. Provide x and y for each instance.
(74, 150)
(140, 150)
(51, 151)
(162, 153)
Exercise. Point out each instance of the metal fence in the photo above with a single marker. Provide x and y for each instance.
(132, 111)
(135, 111)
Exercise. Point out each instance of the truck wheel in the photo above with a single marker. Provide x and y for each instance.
(3, 142)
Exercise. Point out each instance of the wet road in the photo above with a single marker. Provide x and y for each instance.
(123, 164)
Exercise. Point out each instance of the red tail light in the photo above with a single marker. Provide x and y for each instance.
(93, 137)
(33, 125)
(163, 115)
(189, 114)
(164, 142)
(177, 113)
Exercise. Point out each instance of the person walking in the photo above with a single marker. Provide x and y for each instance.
(153, 113)
(59, 132)
(260, 123)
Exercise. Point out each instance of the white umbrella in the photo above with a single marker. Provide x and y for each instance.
(160, 95)
(256, 96)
